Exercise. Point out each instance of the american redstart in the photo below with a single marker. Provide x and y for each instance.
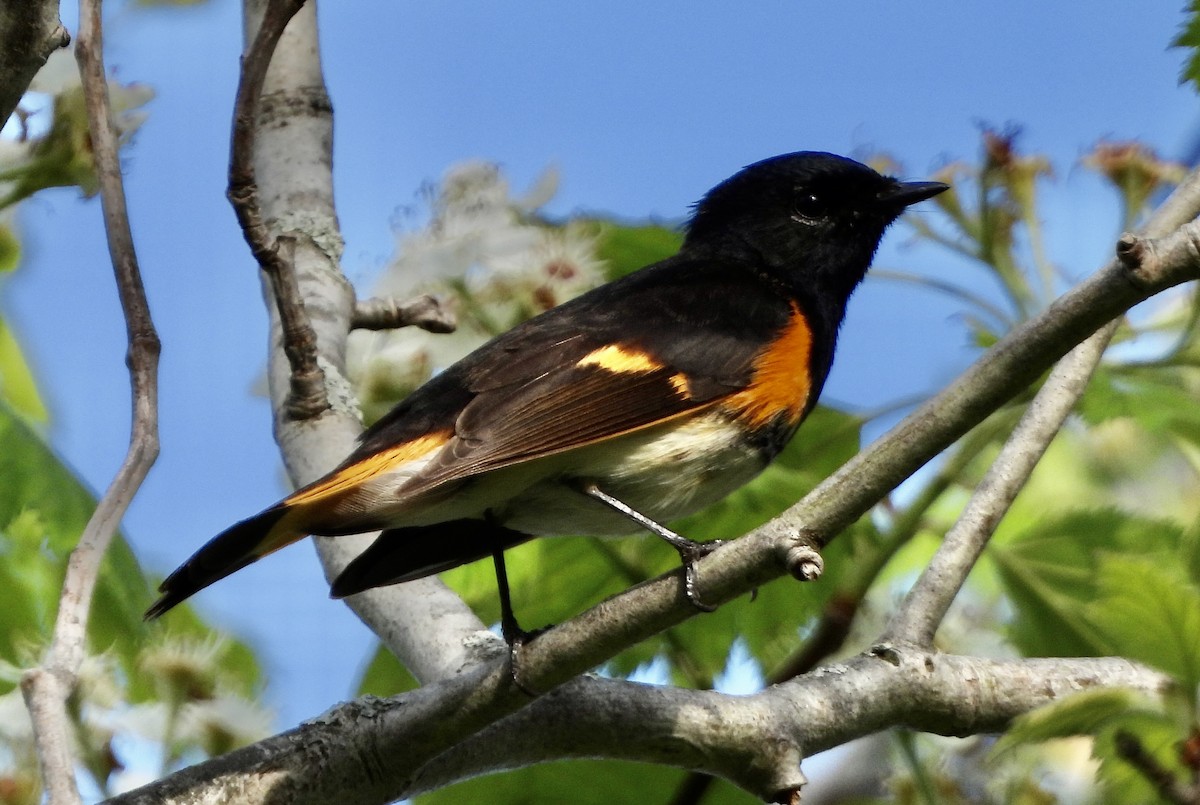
(638, 402)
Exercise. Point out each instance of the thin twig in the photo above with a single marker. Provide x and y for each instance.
(274, 255)
(928, 602)
(47, 688)
(423, 311)
(951, 289)
(1165, 782)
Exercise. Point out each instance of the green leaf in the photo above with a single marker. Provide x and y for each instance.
(1157, 398)
(43, 510)
(17, 386)
(1051, 573)
(10, 249)
(1149, 611)
(1085, 713)
(385, 676)
(582, 782)
(1102, 714)
(63, 156)
(1189, 39)
(624, 248)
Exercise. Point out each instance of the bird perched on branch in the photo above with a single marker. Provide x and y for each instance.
(636, 403)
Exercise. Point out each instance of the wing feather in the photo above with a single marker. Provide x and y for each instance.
(659, 344)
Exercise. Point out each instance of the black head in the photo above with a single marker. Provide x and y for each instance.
(810, 219)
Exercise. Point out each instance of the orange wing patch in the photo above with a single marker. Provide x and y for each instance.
(619, 360)
(682, 386)
(782, 378)
(351, 477)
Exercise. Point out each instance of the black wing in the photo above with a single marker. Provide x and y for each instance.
(659, 344)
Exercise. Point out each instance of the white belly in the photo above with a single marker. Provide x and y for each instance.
(665, 472)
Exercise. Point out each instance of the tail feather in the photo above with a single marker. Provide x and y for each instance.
(414, 552)
(229, 551)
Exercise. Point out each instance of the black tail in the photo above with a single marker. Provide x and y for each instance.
(414, 552)
(229, 551)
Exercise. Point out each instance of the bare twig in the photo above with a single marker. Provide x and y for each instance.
(926, 605)
(1168, 785)
(274, 255)
(423, 311)
(30, 31)
(47, 688)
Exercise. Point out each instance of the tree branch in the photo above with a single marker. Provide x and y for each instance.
(275, 255)
(30, 31)
(926, 605)
(423, 311)
(422, 622)
(47, 688)
(834, 624)
(359, 752)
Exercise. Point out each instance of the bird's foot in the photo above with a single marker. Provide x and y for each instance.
(689, 552)
(517, 638)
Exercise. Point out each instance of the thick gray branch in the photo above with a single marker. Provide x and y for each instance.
(362, 752)
(29, 32)
(424, 623)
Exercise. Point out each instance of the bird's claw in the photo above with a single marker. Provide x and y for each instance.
(689, 552)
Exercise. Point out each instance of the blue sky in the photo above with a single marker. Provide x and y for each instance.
(641, 106)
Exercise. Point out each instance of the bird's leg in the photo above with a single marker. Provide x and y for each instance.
(689, 550)
(514, 635)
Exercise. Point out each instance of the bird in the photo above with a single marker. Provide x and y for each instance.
(638, 402)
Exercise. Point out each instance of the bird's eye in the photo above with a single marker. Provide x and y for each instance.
(808, 207)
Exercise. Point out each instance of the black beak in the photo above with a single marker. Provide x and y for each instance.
(904, 194)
